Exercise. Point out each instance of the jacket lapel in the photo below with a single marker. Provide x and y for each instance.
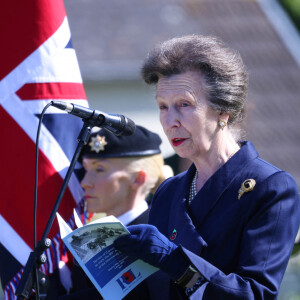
(181, 226)
(213, 189)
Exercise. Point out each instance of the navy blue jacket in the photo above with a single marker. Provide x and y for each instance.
(240, 246)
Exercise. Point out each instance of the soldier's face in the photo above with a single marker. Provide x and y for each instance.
(107, 186)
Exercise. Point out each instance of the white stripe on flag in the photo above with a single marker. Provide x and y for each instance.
(35, 62)
(48, 144)
(64, 67)
(13, 242)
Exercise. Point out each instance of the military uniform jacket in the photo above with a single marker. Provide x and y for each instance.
(240, 246)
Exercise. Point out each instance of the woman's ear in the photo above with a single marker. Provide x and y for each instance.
(139, 179)
(224, 116)
(223, 120)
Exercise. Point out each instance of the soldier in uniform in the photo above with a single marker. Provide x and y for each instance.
(121, 174)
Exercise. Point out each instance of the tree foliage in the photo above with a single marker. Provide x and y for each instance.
(292, 7)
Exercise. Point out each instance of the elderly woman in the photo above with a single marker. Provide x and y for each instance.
(225, 228)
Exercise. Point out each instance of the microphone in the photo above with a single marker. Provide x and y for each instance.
(116, 124)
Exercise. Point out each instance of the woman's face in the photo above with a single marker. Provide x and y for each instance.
(188, 121)
(107, 186)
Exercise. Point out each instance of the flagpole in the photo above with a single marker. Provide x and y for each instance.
(32, 277)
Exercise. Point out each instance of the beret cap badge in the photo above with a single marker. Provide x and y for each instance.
(97, 143)
(247, 186)
(104, 144)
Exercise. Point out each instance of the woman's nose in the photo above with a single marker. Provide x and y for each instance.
(86, 182)
(171, 119)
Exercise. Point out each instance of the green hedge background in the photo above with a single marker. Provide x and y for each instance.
(292, 7)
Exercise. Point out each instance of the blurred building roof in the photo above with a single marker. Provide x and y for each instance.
(113, 37)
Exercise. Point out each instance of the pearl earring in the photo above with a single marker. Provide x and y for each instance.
(222, 123)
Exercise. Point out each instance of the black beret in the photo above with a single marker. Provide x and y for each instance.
(104, 144)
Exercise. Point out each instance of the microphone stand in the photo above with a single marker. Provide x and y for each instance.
(32, 277)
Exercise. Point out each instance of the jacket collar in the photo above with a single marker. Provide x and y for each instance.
(215, 186)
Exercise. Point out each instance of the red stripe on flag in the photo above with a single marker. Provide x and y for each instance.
(52, 90)
(26, 25)
(16, 205)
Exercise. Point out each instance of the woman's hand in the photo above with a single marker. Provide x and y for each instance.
(147, 243)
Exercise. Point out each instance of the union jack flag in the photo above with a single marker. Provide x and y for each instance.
(37, 65)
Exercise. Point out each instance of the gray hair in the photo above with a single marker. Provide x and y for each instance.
(224, 73)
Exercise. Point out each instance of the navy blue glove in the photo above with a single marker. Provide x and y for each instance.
(147, 243)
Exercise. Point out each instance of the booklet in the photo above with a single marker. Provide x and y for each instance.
(113, 273)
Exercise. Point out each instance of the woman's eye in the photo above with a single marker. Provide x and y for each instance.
(162, 107)
(99, 169)
(184, 104)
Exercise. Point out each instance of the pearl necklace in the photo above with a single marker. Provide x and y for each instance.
(193, 188)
